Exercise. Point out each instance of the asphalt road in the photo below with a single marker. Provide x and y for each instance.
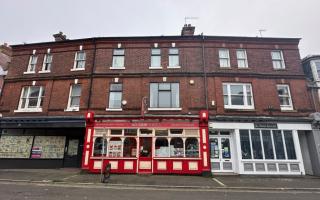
(21, 191)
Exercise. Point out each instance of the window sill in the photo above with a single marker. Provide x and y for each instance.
(117, 68)
(287, 110)
(174, 67)
(239, 109)
(73, 109)
(44, 72)
(164, 109)
(244, 68)
(114, 109)
(224, 67)
(29, 72)
(155, 68)
(77, 69)
(280, 69)
(28, 110)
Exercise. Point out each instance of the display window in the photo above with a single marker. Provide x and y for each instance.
(115, 147)
(192, 147)
(162, 147)
(129, 147)
(100, 146)
(176, 147)
(267, 144)
(48, 147)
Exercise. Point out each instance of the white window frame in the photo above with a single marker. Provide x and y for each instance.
(245, 59)
(152, 54)
(281, 60)
(245, 106)
(115, 109)
(40, 98)
(44, 70)
(285, 107)
(224, 58)
(114, 55)
(30, 64)
(76, 60)
(174, 54)
(69, 107)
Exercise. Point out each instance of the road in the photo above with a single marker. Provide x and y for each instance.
(21, 191)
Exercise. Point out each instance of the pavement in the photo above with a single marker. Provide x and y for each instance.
(71, 176)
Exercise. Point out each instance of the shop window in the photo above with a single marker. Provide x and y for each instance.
(100, 147)
(213, 132)
(161, 132)
(278, 144)
(129, 147)
(145, 147)
(15, 146)
(130, 132)
(176, 147)
(225, 147)
(291, 153)
(245, 144)
(267, 144)
(256, 144)
(162, 147)
(214, 148)
(48, 147)
(115, 147)
(192, 147)
(116, 132)
(176, 131)
(145, 131)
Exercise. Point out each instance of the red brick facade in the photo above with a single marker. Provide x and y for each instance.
(137, 76)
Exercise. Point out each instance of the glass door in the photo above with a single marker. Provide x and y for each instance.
(221, 154)
(145, 155)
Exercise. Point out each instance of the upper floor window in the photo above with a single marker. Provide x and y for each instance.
(31, 98)
(317, 64)
(47, 62)
(32, 64)
(224, 58)
(164, 95)
(285, 97)
(74, 97)
(155, 58)
(79, 61)
(115, 96)
(237, 96)
(242, 58)
(118, 59)
(173, 58)
(277, 59)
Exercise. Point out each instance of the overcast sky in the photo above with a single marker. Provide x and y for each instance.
(36, 20)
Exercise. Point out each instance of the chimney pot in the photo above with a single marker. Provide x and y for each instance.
(59, 36)
(188, 30)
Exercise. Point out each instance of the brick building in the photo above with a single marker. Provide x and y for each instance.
(163, 104)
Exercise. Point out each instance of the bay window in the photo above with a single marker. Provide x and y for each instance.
(237, 96)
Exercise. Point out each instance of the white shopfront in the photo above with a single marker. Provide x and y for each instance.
(256, 148)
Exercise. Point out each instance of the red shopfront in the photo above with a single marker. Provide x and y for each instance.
(147, 145)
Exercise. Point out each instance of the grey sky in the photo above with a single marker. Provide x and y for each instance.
(36, 20)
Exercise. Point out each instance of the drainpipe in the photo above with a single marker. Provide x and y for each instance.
(91, 73)
(204, 72)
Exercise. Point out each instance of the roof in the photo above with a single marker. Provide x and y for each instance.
(310, 57)
(174, 37)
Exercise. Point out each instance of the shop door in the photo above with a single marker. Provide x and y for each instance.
(221, 154)
(73, 152)
(145, 155)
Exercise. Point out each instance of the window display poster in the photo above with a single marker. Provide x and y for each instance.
(49, 147)
(15, 146)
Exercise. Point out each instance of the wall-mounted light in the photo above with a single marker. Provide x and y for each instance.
(191, 82)
(124, 102)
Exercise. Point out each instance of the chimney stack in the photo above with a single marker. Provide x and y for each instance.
(59, 37)
(187, 30)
